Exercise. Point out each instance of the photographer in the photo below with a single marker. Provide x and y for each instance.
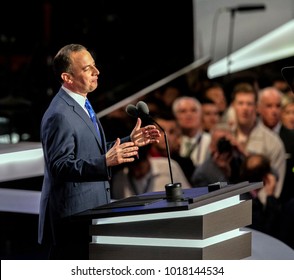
(223, 164)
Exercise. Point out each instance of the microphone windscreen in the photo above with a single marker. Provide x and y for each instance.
(143, 107)
(132, 111)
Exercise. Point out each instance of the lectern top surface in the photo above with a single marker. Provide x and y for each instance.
(156, 202)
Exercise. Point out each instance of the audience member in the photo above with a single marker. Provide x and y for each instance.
(166, 94)
(146, 174)
(194, 142)
(169, 125)
(224, 161)
(215, 92)
(154, 104)
(173, 134)
(255, 137)
(265, 216)
(278, 82)
(269, 108)
(210, 114)
(287, 114)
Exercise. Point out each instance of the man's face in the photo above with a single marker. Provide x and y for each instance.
(217, 95)
(188, 115)
(210, 116)
(269, 109)
(287, 116)
(84, 76)
(245, 108)
(172, 132)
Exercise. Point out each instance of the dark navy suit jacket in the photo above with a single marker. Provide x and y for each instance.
(76, 177)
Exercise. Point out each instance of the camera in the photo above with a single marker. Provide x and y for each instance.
(224, 146)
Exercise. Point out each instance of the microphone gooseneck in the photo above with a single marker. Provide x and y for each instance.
(173, 190)
(143, 111)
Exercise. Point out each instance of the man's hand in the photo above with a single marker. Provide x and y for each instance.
(121, 153)
(142, 136)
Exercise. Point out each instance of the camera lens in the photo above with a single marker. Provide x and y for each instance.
(224, 145)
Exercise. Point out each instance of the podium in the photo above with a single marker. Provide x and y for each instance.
(203, 225)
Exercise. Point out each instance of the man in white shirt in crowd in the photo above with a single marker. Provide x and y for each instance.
(146, 174)
(194, 142)
(255, 137)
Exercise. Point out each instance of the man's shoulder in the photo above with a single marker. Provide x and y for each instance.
(264, 131)
(161, 161)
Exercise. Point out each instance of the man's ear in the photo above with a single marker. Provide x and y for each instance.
(66, 77)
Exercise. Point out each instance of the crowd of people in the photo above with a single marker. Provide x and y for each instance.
(246, 134)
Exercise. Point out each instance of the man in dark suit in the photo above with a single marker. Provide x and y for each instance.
(78, 159)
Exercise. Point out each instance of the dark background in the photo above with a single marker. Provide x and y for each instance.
(136, 43)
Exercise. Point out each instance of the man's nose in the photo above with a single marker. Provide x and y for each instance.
(95, 69)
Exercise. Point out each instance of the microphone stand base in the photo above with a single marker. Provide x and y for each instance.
(174, 192)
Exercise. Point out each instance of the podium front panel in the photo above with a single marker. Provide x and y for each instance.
(203, 225)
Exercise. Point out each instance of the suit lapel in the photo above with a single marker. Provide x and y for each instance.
(81, 112)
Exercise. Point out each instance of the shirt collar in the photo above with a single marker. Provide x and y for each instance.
(77, 97)
(194, 139)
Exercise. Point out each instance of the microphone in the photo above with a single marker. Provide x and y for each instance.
(132, 111)
(173, 190)
(246, 8)
(143, 112)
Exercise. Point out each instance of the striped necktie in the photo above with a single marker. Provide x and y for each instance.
(93, 118)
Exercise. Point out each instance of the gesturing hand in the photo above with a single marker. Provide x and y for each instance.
(142, 136)
(121, 153)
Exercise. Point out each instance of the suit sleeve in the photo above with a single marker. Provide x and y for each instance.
(71, 151)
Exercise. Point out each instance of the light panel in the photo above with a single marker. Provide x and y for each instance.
(276, 45)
